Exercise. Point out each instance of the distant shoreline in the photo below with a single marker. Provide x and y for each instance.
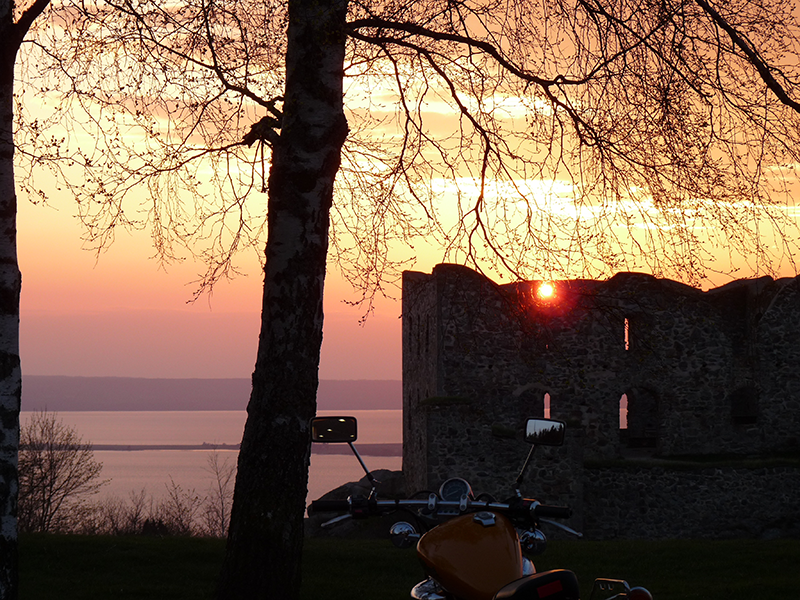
(389, 449)
(395, 449)
(343, 411)
(138, 447)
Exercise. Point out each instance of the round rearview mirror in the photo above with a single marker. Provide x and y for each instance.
(545, 432)
(333, 429)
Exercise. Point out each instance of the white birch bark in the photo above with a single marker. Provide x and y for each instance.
(11, 35)
(10, 375)
(266, 533)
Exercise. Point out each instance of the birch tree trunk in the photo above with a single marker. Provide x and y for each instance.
(10, 283)
(266, 534)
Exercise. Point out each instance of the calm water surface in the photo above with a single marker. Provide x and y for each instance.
(152, 470)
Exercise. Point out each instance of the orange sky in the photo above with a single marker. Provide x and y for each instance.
(123, 316)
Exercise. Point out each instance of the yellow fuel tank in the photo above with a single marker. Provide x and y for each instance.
(472, 556)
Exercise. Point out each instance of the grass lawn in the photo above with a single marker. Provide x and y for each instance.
(96, 567)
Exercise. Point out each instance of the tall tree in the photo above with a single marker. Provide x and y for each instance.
(14, 25)
(570, 136)
(305, 160)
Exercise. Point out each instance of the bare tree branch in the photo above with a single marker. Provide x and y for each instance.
(752, 54)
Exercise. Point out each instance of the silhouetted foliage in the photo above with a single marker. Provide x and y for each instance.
(57, 474)
(559, 137)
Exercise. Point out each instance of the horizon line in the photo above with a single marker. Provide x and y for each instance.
(187, 378)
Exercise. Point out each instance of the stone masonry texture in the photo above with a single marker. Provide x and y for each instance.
(711, 380)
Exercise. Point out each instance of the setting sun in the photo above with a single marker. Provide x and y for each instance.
(545, 291)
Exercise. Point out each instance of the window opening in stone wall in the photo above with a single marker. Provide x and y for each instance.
(642, 417)
(546, 405)
(627, 334)
(623, 411)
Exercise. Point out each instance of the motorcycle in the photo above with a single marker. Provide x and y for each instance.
(472, 547)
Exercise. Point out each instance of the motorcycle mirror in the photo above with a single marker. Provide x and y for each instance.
(338, 430)
(333, 430)
(545, 432)
(540, 432)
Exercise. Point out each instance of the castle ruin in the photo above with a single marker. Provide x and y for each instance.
(710, 380)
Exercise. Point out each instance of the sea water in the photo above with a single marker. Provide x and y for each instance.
(130, 471)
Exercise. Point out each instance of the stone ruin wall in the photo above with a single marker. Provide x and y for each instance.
(705, 373)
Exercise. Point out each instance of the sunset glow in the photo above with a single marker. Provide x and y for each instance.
(123, 314)
(120, 314)
(546, 291)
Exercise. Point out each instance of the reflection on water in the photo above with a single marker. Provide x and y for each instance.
(211, 426)
(152, 469)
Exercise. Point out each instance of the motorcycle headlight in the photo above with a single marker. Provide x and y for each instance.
(403, 535)
(533, 542)
(639, 593)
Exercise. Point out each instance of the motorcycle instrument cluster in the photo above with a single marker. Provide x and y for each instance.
(454, 489)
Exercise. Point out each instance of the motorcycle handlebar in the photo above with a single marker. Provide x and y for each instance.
(362, 507)
(329, 506)
(557, 512)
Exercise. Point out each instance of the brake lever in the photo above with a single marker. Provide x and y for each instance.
(562, 526)
(336, 520)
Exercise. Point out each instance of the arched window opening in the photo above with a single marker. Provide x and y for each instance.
(623, 411)
(627, 334)
(546, 405)
(642, 421)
